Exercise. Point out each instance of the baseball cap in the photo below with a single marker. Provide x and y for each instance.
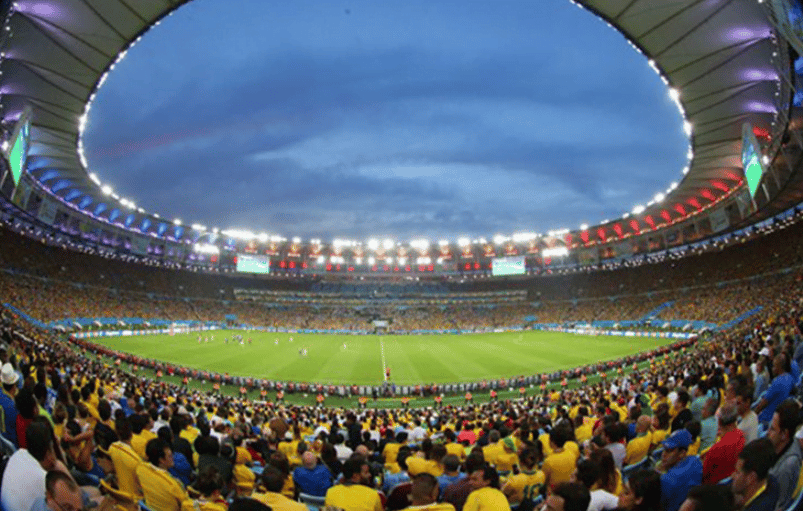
(8, 375)
(680, 438)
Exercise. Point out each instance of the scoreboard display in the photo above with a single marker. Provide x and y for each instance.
(251, 263)
(501, 266)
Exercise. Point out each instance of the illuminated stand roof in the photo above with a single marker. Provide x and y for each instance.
(721, 60)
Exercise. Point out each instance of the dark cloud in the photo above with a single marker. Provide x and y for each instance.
(426, 119)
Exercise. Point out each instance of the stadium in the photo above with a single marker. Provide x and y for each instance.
(294, 356)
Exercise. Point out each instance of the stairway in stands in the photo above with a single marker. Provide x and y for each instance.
(654, 313)
(739, 319)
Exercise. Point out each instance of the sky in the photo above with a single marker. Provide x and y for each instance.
(359, 119)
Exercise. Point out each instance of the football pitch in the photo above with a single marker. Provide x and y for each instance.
(361, 359)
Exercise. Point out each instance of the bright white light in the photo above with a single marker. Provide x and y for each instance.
(521, 237)
(389, 260)
(765, 160)
(463, 242)
(358, 260)
(176, 222)
(238, 234)
(198, 227)
(205, 248)
(673, 185)
(443, 243)
(687, 128)
(499, 239)
(555, 252)
(674, 94)
(402, 260)
(373, 244)
(420, 245)
(638, 209)
(583, 226)
(107, 190)
(321, 259)
(387, 244)
(296, 240)
(263, 237)
(685, 170)
(659, 197)
(371, 260)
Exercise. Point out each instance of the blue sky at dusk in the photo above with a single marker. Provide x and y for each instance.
(404, 119)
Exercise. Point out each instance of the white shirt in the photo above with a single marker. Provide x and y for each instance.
(601, 500)
(343, 452)
(749, 426)
(23, 482)
(417, 434)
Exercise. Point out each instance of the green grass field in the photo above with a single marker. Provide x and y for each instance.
(412, 359)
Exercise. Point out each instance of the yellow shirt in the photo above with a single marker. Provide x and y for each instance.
(278, 502)
(125, 462)
(190, 433)
(486, 499)
(584, 432)
(244, 477)
(390, 452)
(637, 448)
(559, 467)
(162, 491)
(525, 485)
(204, 505)
(138, 442)
(659, 435)
(506, 460)
(353, 497)
(417, 465)
(491, 451)
(456, 449)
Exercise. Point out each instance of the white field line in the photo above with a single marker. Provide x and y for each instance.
(382, 349)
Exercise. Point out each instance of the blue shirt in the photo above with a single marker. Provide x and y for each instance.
(392, 480)
(9, 417)
(181, 468)
(780, 388)
(676, 483)
(313, 482)
(444, 481)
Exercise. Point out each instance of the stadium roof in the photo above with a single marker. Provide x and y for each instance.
(720, 59)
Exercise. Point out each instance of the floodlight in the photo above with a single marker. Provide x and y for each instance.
(463, 242)
(371, 260)
(106, 189)
(373, 244)
(387, 244)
